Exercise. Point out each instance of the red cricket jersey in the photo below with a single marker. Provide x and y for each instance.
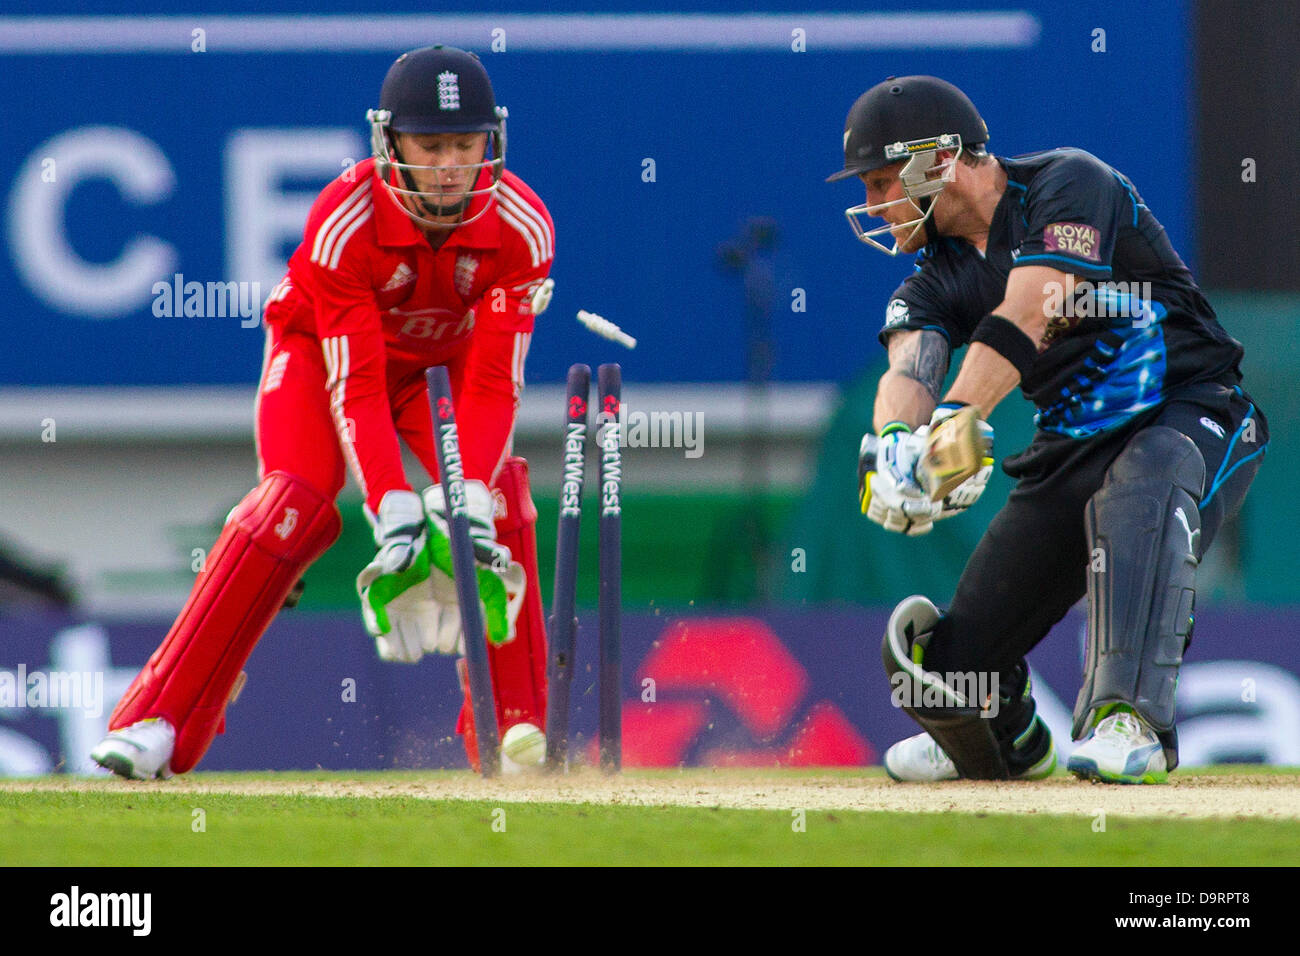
(384, 306)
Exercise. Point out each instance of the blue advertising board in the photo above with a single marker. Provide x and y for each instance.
(149, 149)
(780, 687)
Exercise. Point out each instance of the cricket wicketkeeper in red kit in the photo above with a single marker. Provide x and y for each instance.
(429, 253)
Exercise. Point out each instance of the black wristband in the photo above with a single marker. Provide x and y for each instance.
(1008, 340)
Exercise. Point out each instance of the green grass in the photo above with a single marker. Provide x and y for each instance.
(145, 825)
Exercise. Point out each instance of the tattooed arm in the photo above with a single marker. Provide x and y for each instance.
(908, 392)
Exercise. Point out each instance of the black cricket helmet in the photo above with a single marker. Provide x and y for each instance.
(438, 89)
(909, 118)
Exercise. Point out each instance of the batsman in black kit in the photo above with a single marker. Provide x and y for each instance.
(1060, 280)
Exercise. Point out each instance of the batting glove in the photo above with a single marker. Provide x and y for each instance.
(888, 491)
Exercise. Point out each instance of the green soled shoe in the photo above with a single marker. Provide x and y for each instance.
(920, 760)
(1121, 750)
(141, 751)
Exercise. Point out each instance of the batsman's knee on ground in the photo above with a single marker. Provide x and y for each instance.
(985, 722)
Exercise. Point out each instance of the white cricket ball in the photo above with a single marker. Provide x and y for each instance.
(523, 748)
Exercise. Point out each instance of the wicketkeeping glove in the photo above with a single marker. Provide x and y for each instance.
(501, 580)
(394, 588)
(888, 491)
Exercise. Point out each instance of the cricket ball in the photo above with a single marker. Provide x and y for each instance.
(523, 747)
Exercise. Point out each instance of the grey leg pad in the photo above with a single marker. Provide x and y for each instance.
(1143, 531)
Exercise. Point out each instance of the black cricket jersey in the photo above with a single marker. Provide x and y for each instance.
(1138, 326)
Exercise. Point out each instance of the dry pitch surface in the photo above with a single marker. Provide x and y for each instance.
(1188, 795)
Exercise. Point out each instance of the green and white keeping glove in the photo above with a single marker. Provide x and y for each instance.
(396, 598)
(500, 579)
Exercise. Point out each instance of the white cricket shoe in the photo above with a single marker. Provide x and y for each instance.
(920, 760)
(1121, 750)
(523, 749)
(141, 751)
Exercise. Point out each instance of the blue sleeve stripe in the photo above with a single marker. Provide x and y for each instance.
(1131, 198)
(940, 329)
(1089, 266)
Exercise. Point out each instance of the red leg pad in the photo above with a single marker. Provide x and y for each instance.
(271, 537)
(518, 668)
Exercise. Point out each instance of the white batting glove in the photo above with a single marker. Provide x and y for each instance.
(888, 491)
